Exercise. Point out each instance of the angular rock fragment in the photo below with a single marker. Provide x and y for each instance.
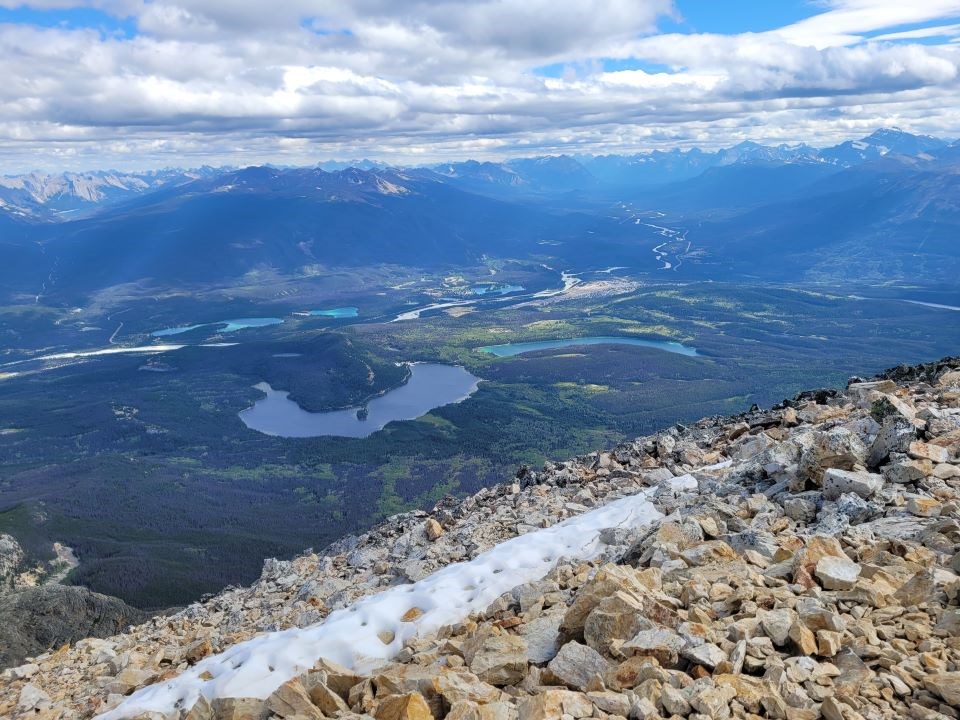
(576, 665)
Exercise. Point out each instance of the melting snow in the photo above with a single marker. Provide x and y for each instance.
(259, 666)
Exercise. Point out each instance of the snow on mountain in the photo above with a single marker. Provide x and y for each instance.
(355, 636)
(43, 194)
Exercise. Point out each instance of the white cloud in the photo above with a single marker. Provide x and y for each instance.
(294, 81)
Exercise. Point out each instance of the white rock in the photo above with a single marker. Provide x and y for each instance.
(837, 573)
(837, 482)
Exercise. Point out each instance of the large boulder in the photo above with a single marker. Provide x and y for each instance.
(837, 448)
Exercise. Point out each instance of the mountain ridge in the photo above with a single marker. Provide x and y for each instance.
(48, 194)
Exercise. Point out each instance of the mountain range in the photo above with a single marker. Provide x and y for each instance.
(769, 212)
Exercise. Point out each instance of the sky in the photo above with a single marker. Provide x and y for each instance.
(136, 84)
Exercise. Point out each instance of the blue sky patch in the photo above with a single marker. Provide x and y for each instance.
(71, 19)
(737, 16)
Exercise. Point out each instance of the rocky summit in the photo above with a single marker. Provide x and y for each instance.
(806, 567)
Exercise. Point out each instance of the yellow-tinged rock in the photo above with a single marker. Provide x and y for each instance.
(411, 614)
(410, 706)
(924, 507)
(323, 696)
(337, 677)
(803, 638)
(433, 529)
(291, 700)
(945, 685)
(750, 690)
(554, 704)
(457, 685)
(815, 549)
(239, 709)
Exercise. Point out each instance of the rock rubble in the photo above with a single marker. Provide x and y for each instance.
(814, 573)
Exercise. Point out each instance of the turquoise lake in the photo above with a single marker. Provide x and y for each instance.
(228, 326)
(343, 312)
(511, 349)
(496, 289)
(430, 385)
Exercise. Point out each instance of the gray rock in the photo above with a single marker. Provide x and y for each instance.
(32, 698)
(902, 469)
(541, 634)
(839, 482)
(776, 625)
(756, 540)
(673, 701)
(837, 573)
(895, 436)
(497, 659)
(837, 448)
(857, 510)
(801, 509)
(576, 664)
(665, 645)
(706, 654)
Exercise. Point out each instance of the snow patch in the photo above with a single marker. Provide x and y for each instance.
(352, 636)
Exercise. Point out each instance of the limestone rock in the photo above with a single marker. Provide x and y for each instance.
(612, 703)
(498, 659)
(713, 551)
(608, 580)
(924, 507)
(291, 700)
(945, 685)
(917, 589)
(336, 677)
(838, 482)
(923, 451)
(661, 643)
(554, 705)
(837, 448)
(410, 706)
(673, 701)
(457, 685)
(707, 654)
(239, 709)
(618, 617)
(776, 625)
(895, 436)
(837, 573)
(323, 696)
(575, 665)
(904, 471)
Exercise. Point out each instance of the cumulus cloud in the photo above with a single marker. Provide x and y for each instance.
(300, 80)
